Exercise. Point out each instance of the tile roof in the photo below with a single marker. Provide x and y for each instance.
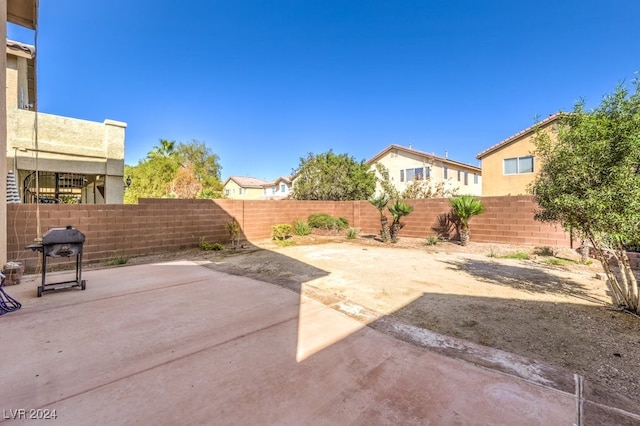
(28, 49)
(285, 179)
(526, 131)
(248, 182)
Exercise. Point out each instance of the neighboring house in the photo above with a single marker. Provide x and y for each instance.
(77, 161)
(250, 188)
(244, 188)
(510, 166)
(407, 165)
(278, 189)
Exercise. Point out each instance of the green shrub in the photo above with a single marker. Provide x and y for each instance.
(285, 243)
(281, 231)
(432, 240)
(301, 227)
(326, 221)
(352, 233)
(119, 260)
(205, 245)
(519, 255)
(343, 223)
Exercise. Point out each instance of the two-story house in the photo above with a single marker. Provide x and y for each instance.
(250, 188)
(510, 166)
(278, 189)
(244, 188)
(76, 161)
(25, 14)
(408, 165)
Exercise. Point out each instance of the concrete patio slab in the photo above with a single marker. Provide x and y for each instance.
(178, 343)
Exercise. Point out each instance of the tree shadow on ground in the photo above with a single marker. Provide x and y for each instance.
(567, 336)
(529, 279)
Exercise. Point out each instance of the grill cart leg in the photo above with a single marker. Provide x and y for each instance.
(79, 280)
(44, 274)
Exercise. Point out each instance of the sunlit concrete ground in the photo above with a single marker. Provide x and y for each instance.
(179, 343)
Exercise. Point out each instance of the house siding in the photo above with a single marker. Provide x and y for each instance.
(495, 181)
(63, 145)
(397, 160)
(247, 193)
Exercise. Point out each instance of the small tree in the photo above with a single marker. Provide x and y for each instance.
(384, 182)
(464, 208)
(398, 210)
(380, 202)
(336, 177)
(427, 189)
(185, 184)
(590, 183)
(233, 228)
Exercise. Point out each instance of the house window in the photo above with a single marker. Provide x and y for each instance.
(226, 191)
(519, 165)
(283, 188)
(239, 191)
(419, 173)
(475, 178)
(427, 171)
(410, 173)
(264, 191)
(401, 175)
(459, 175)
(445, 170)
(466, 178)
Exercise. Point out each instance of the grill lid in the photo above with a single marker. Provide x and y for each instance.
(68, 235)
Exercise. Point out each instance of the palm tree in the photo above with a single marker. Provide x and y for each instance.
(464, 208)
(398, 209)
(164, 150)
(380, 202)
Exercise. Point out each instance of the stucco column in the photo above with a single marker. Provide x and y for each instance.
(114, 173)
(3, 137)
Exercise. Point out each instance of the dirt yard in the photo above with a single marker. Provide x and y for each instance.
(548, 308)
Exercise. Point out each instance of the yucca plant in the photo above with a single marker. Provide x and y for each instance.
(380, 202)
(398, 210)
(464, 207)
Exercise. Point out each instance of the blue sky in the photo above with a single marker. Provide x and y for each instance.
(264, 82)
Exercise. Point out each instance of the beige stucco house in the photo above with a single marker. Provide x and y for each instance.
(23, 13)
(406, 165)
(510, 166)
(77, 161)
(244, 188)
(278, 189)
(250, 188)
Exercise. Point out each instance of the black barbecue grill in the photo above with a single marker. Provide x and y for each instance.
(61, 242)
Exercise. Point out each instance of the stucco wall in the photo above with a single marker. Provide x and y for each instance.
(495, 182)
(247, 193)
(68, 145)
(165, 225)
(394, 162)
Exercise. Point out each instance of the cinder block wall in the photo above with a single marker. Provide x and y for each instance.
(165, 225)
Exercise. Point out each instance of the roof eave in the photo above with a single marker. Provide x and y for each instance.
(433, 157)
(23, 13)
(519, 135)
